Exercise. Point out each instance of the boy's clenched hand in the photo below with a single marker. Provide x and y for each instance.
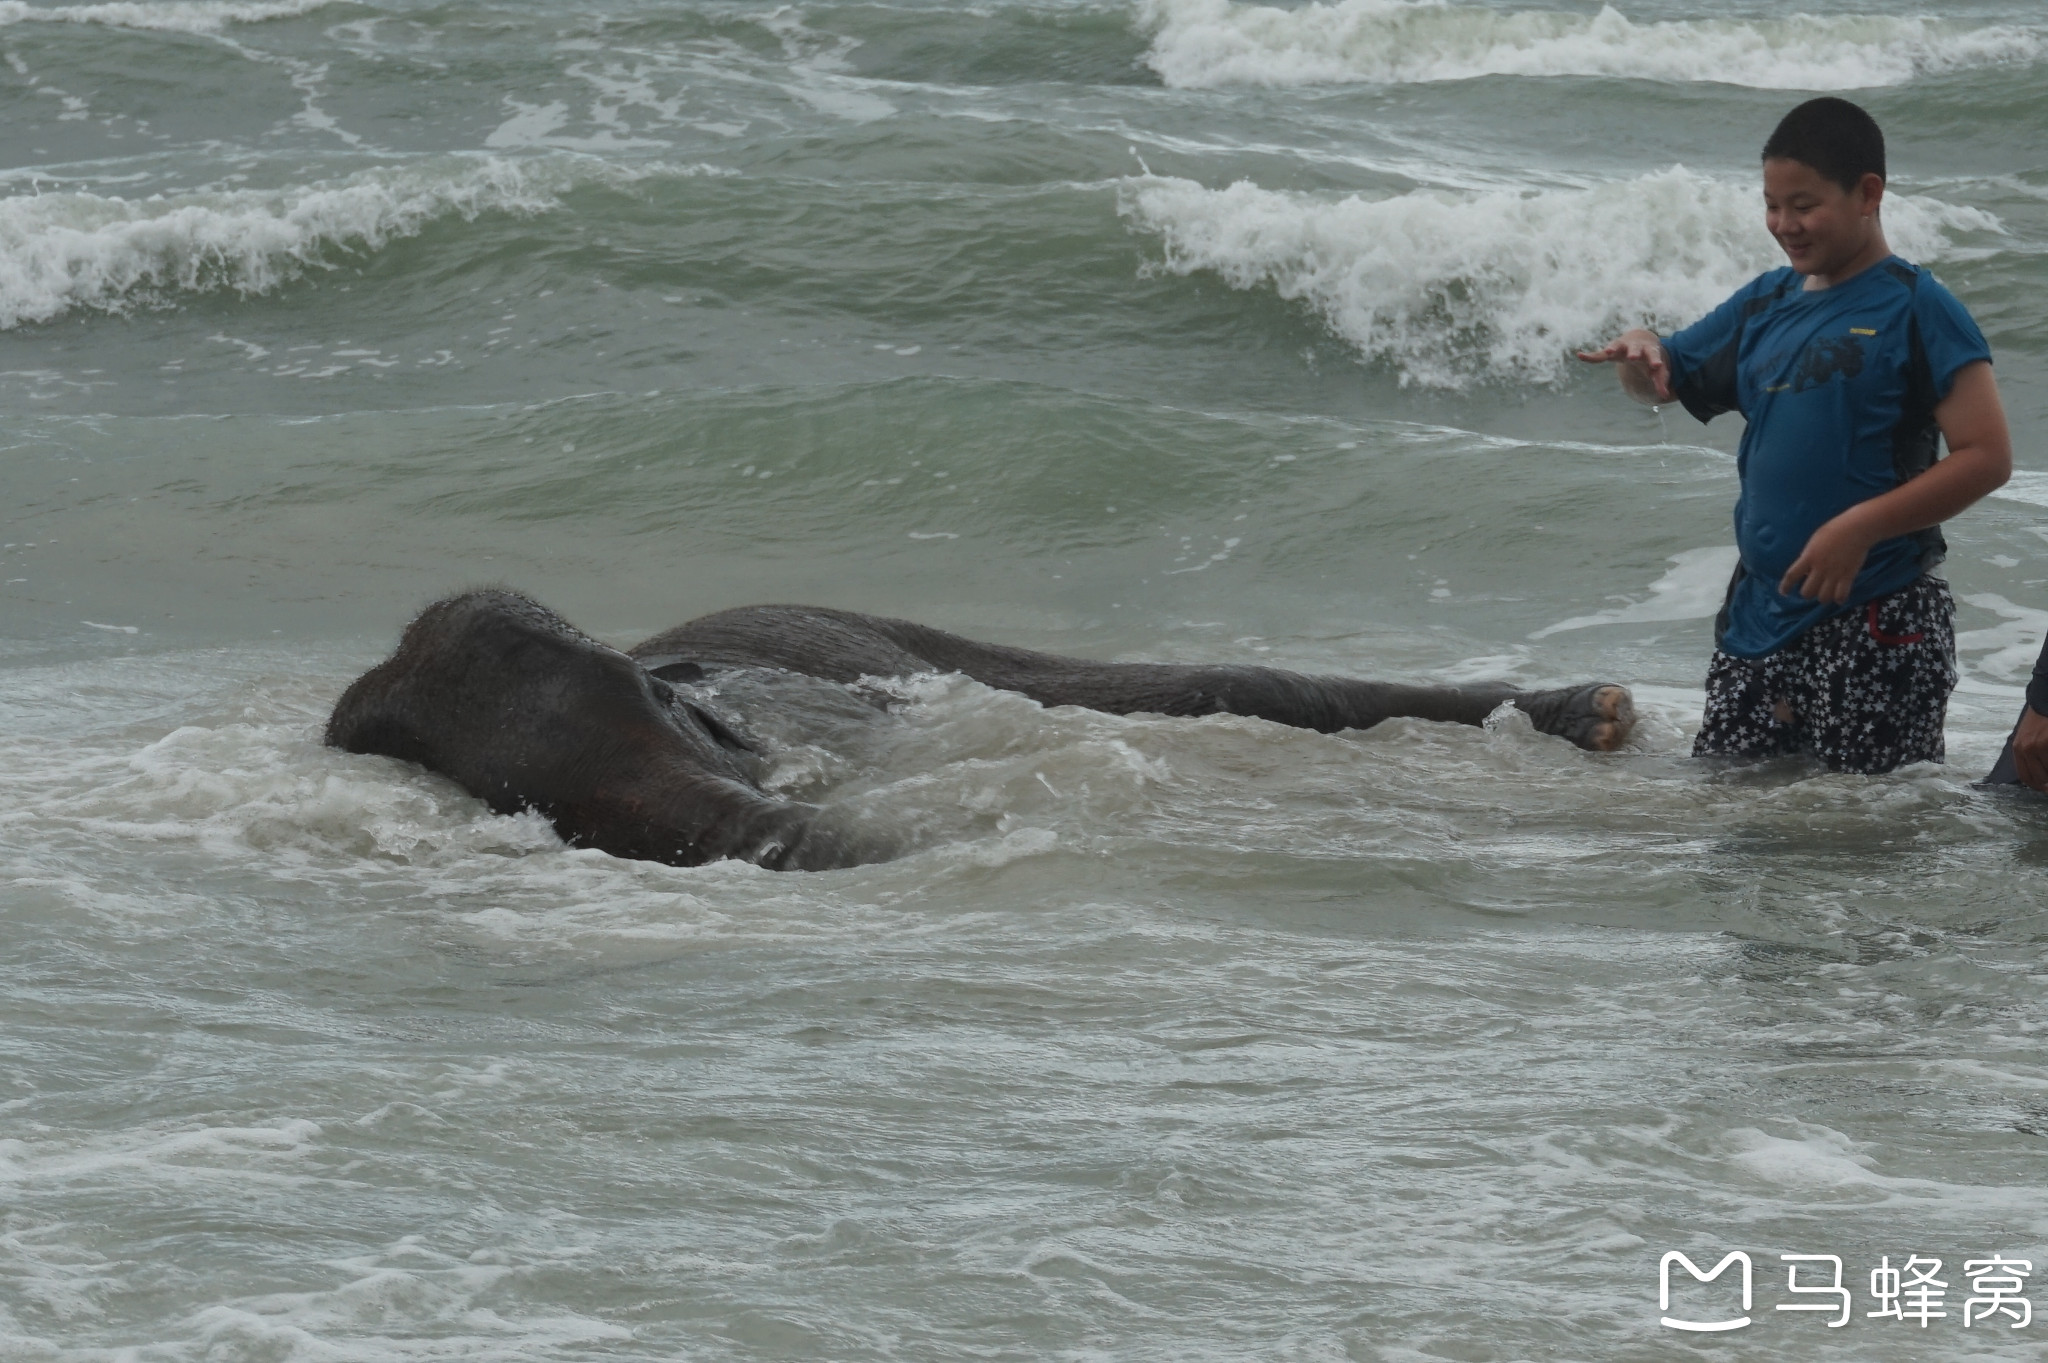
(1826, 568)
(1972, 422)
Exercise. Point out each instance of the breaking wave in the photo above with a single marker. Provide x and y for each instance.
(1199, 43)
(64, 250)
(1447, 287)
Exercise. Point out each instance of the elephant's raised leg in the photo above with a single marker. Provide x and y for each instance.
(1598, 717)
(845, 645)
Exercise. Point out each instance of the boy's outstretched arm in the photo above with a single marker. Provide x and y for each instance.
(1979, 461)
(1644, 367)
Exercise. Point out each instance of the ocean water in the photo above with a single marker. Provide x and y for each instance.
(1171, 330)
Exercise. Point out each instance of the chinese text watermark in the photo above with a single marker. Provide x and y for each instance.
(1912, 1293)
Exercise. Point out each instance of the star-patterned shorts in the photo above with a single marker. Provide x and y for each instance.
(1865, 691)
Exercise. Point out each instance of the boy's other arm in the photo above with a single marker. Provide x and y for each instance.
(1644, 368)
(1979, 461)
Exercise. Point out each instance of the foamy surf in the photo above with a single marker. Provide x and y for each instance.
(1427, 1039)
(1205, 43)
(1691, 590)
(168, 16)
(1447, 287)
(64, 250)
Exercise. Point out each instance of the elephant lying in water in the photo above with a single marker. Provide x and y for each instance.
(526, 712)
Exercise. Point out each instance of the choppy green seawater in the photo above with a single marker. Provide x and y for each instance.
(1175, 330)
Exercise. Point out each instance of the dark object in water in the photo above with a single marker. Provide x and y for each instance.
(2005, 771)
(524, 711)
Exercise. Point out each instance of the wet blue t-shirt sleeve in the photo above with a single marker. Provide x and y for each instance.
(1703, 355)
(1950, 335)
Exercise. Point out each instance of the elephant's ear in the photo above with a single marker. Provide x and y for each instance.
(721, 733)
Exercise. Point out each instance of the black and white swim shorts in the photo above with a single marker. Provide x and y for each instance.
(1865, 692)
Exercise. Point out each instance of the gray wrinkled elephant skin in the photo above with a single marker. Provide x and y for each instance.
(524, 711)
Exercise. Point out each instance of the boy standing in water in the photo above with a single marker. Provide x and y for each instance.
(1834, 639)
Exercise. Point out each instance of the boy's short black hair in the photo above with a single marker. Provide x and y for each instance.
(1835, 137)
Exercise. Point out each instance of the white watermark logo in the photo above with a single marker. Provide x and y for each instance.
(1664, 1290)
(1999, 1283)
(1911, 1293)
(1834, 1289)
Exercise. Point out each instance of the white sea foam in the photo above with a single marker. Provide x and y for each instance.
(2010, 647)
(245, 1154)
(73, 249)
(2031, 488)
(1817, 1157)
(1691, 590)
(247, 783)
(1201, 43)
(1447, 286)
(169, 16)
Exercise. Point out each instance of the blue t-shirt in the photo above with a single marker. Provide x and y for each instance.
(1839, 387)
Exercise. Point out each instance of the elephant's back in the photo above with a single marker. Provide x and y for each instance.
(843, 646)
(818, 641)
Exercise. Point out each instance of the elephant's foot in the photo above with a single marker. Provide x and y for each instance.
(1597, 717)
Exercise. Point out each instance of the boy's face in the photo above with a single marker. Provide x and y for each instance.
(1821, 226)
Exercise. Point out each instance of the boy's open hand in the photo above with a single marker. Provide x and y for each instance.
(1645, 372)
(1826, 568)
